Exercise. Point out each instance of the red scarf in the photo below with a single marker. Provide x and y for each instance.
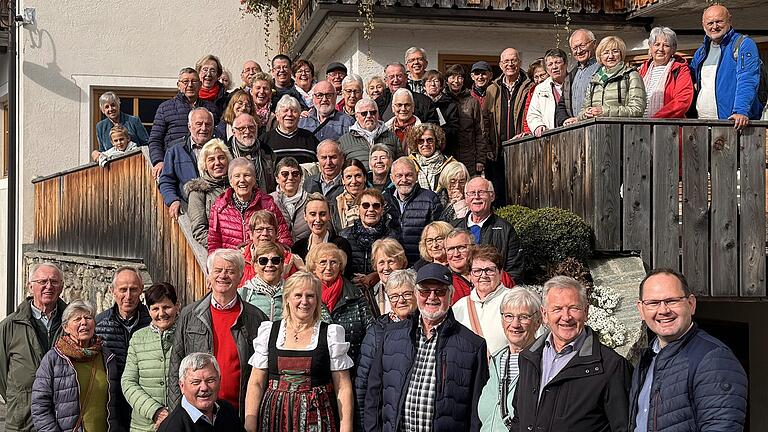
(332, 293)
(209, 95)
(401, 130)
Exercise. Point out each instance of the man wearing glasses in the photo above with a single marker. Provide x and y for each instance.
(447, 366)
(569, 380)
(244, 143)
(487, 228)
(26, 335)
(367, 131)
(686, 379)
(416, 62)
(582, 44)
(282, 73)
(323, 120)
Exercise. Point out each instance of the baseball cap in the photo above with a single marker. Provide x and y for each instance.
(481, 66)
(434, 272)
(335, 66)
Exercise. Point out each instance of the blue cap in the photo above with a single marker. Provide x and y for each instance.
(434, 272)
(481, 66)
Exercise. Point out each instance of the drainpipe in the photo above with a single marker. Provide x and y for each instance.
(12, 163)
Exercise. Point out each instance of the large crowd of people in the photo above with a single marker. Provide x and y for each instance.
(358, 277)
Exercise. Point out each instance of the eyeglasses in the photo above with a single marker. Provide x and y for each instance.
(521, 318)
(581, 46)
(402, 105)
(245, 128)
(394, 298)
(286, 174)
(455, 181)
(44, 282)
(367, 113)
(611, 51)
(328, 263)
(432, 81)
(189, 82)
(303, 71)
(671, 302)
(434, 240)
(457, 249)
(426, 140)
(439, 292)
(415, 59)
(208, 69)
(489, 271)
(366, 205)
(260, 230)
(352, 91)
(275, 260)
(480, 193)
(320, 96)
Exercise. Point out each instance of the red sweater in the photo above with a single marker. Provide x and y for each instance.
(225, 351)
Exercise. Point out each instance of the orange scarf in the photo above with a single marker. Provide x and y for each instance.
(332, 293)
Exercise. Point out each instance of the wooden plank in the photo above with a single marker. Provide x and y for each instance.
(636, 220)
(695, 208)
(724, 252)
(545, 162)
(605, 163)
(752, 217)
(665, 218)
(576, 177)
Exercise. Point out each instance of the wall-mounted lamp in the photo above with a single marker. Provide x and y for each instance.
(27, 17)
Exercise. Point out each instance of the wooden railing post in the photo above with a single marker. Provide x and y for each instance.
(665, 215)
(604, 170)
(752, 218)
(636, 220)
(695, 208)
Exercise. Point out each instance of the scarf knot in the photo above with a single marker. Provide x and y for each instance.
(67, 346)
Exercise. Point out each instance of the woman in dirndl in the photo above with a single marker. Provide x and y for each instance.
(300, 379)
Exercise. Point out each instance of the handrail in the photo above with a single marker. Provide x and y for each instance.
(118, 212)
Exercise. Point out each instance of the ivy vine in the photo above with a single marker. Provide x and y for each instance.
(263, 9)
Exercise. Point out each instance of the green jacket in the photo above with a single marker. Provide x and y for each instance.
(144, 380)
(271, 306)
(623, 95)
(489, 404)
(21, 355)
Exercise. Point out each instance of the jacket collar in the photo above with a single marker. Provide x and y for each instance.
(23, 312)
(674, 347)
(446, 328)
(589, 351)
(349, 292)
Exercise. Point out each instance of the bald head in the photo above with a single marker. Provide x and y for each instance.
(717, 21)
(509, 62)
(324, 98)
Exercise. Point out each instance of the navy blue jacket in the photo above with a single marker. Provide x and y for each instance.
(136, 130)
(736, 81)
(179, 167)
(501, 234)
(171, 123)
(368, 351)
(421, 208)
(461, 369)
(710, 397)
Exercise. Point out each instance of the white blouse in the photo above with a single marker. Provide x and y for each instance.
(337, 346)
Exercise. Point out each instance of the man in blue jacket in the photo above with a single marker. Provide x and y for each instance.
(686, 380)
(726, 70)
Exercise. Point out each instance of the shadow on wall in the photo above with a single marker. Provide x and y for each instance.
(48, 76)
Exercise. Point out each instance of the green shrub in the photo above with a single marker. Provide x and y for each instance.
(548, 236)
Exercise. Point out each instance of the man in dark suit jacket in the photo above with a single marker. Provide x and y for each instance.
(395, 78)
(487, 228)
(199, 410)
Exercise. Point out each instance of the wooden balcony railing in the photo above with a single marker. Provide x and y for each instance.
(703, 214)
(118, 212)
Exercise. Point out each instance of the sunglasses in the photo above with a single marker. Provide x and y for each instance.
(367, 113)
(286, 174)
(367, 205)
(440, 292)
(275, 260)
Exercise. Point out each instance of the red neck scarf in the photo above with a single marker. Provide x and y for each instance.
(332, 293)
(209, 94)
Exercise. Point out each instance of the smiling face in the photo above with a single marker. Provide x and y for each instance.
(394, 77)
(281, 72)
(479, 197)
(223, 278)
(243, 181)
(250, 68)
(539, 75)
(317, 216)
(328, 268)
(324, 98)
(433, 87)
(126, 289)
(288, 118)
(565, 315)
(456, 83)
(435, 243)
(610, 57)
(201, 387)
(336, 77)
(660, 51)
(481, 78)
(402, 106)
(426, 144)
(433, 300)
(209, 74)
(261, 92)
(416, 63)
(485, 276)
(375, 88)
(303, 77)
(353, 179)
(404, 177)
(112, 111)
(402, 300)
(385, 265)
(351, 92)
(80, 327)
(380, 163)
(521, 330)
(370, 210)
(263, 232)
(509, 62)
(302, 303)
(582, 46)
(716, 21)
(243, 105)
(164, 313)
(201, 126)
(269, 267)
(331, 159)
(46, 286)
(289, 179)
(669, 322)
(457, 251)
(189, 84)
(120, 140)
(367, 115)
(216, 164)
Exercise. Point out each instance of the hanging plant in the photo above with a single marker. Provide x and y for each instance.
(263, 9)
(562, 11)
(365, 10)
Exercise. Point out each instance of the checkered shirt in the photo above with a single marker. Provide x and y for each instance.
(420, 397)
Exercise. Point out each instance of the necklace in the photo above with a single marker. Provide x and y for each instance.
(297, 332)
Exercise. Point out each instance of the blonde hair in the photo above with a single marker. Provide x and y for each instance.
(391, 248)
(209, 148)
(302, 279)
(611, 42)
(442, 228)
(118, 129)
(317, 251)
(206, 58)
(451, 171)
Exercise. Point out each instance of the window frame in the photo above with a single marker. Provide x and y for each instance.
(136, 94)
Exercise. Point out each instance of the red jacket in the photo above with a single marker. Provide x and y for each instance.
(228, 228)
(678, 91)
(526, 129)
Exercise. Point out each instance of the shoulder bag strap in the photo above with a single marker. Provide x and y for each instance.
(473, 321)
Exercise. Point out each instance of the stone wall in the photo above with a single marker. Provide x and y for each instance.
(84, 277)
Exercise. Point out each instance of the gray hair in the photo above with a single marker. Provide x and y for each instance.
(238, 163)
(589, 33)
(665, 33)
(124, 269)
(488, 182)
(352, 78)
(197, 361)
(381, 148)
(289, 102)
(191, 113)
(402, 91)
(406, 161)
(232, 256)
(366, 101)
(329, 141)
(78, 305)
(461, 231)
(565, 282)
(399, 278)
(37, 267)
(450, 171)
(522, 298)
(414, 49)
(109, 97)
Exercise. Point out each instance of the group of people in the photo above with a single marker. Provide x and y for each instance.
(359, 278)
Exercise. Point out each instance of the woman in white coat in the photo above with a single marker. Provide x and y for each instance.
(541, 112)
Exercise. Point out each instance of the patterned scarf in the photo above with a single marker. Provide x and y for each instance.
(655, 88)
(240, 205)
(332, 293)
(67, 346)
(606, 74)
(261, 115)
(430, 168)
(366, 236)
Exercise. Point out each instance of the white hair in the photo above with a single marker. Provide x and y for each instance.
(232, 256)
(414, 49)
(400, 92)
(565, 282)
(288, 101)
(197, 361)
(665, 33)
(352, 78)
(191, 113)
(109, 97)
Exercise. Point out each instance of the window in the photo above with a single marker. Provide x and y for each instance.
(140, 103)
(6, 141)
